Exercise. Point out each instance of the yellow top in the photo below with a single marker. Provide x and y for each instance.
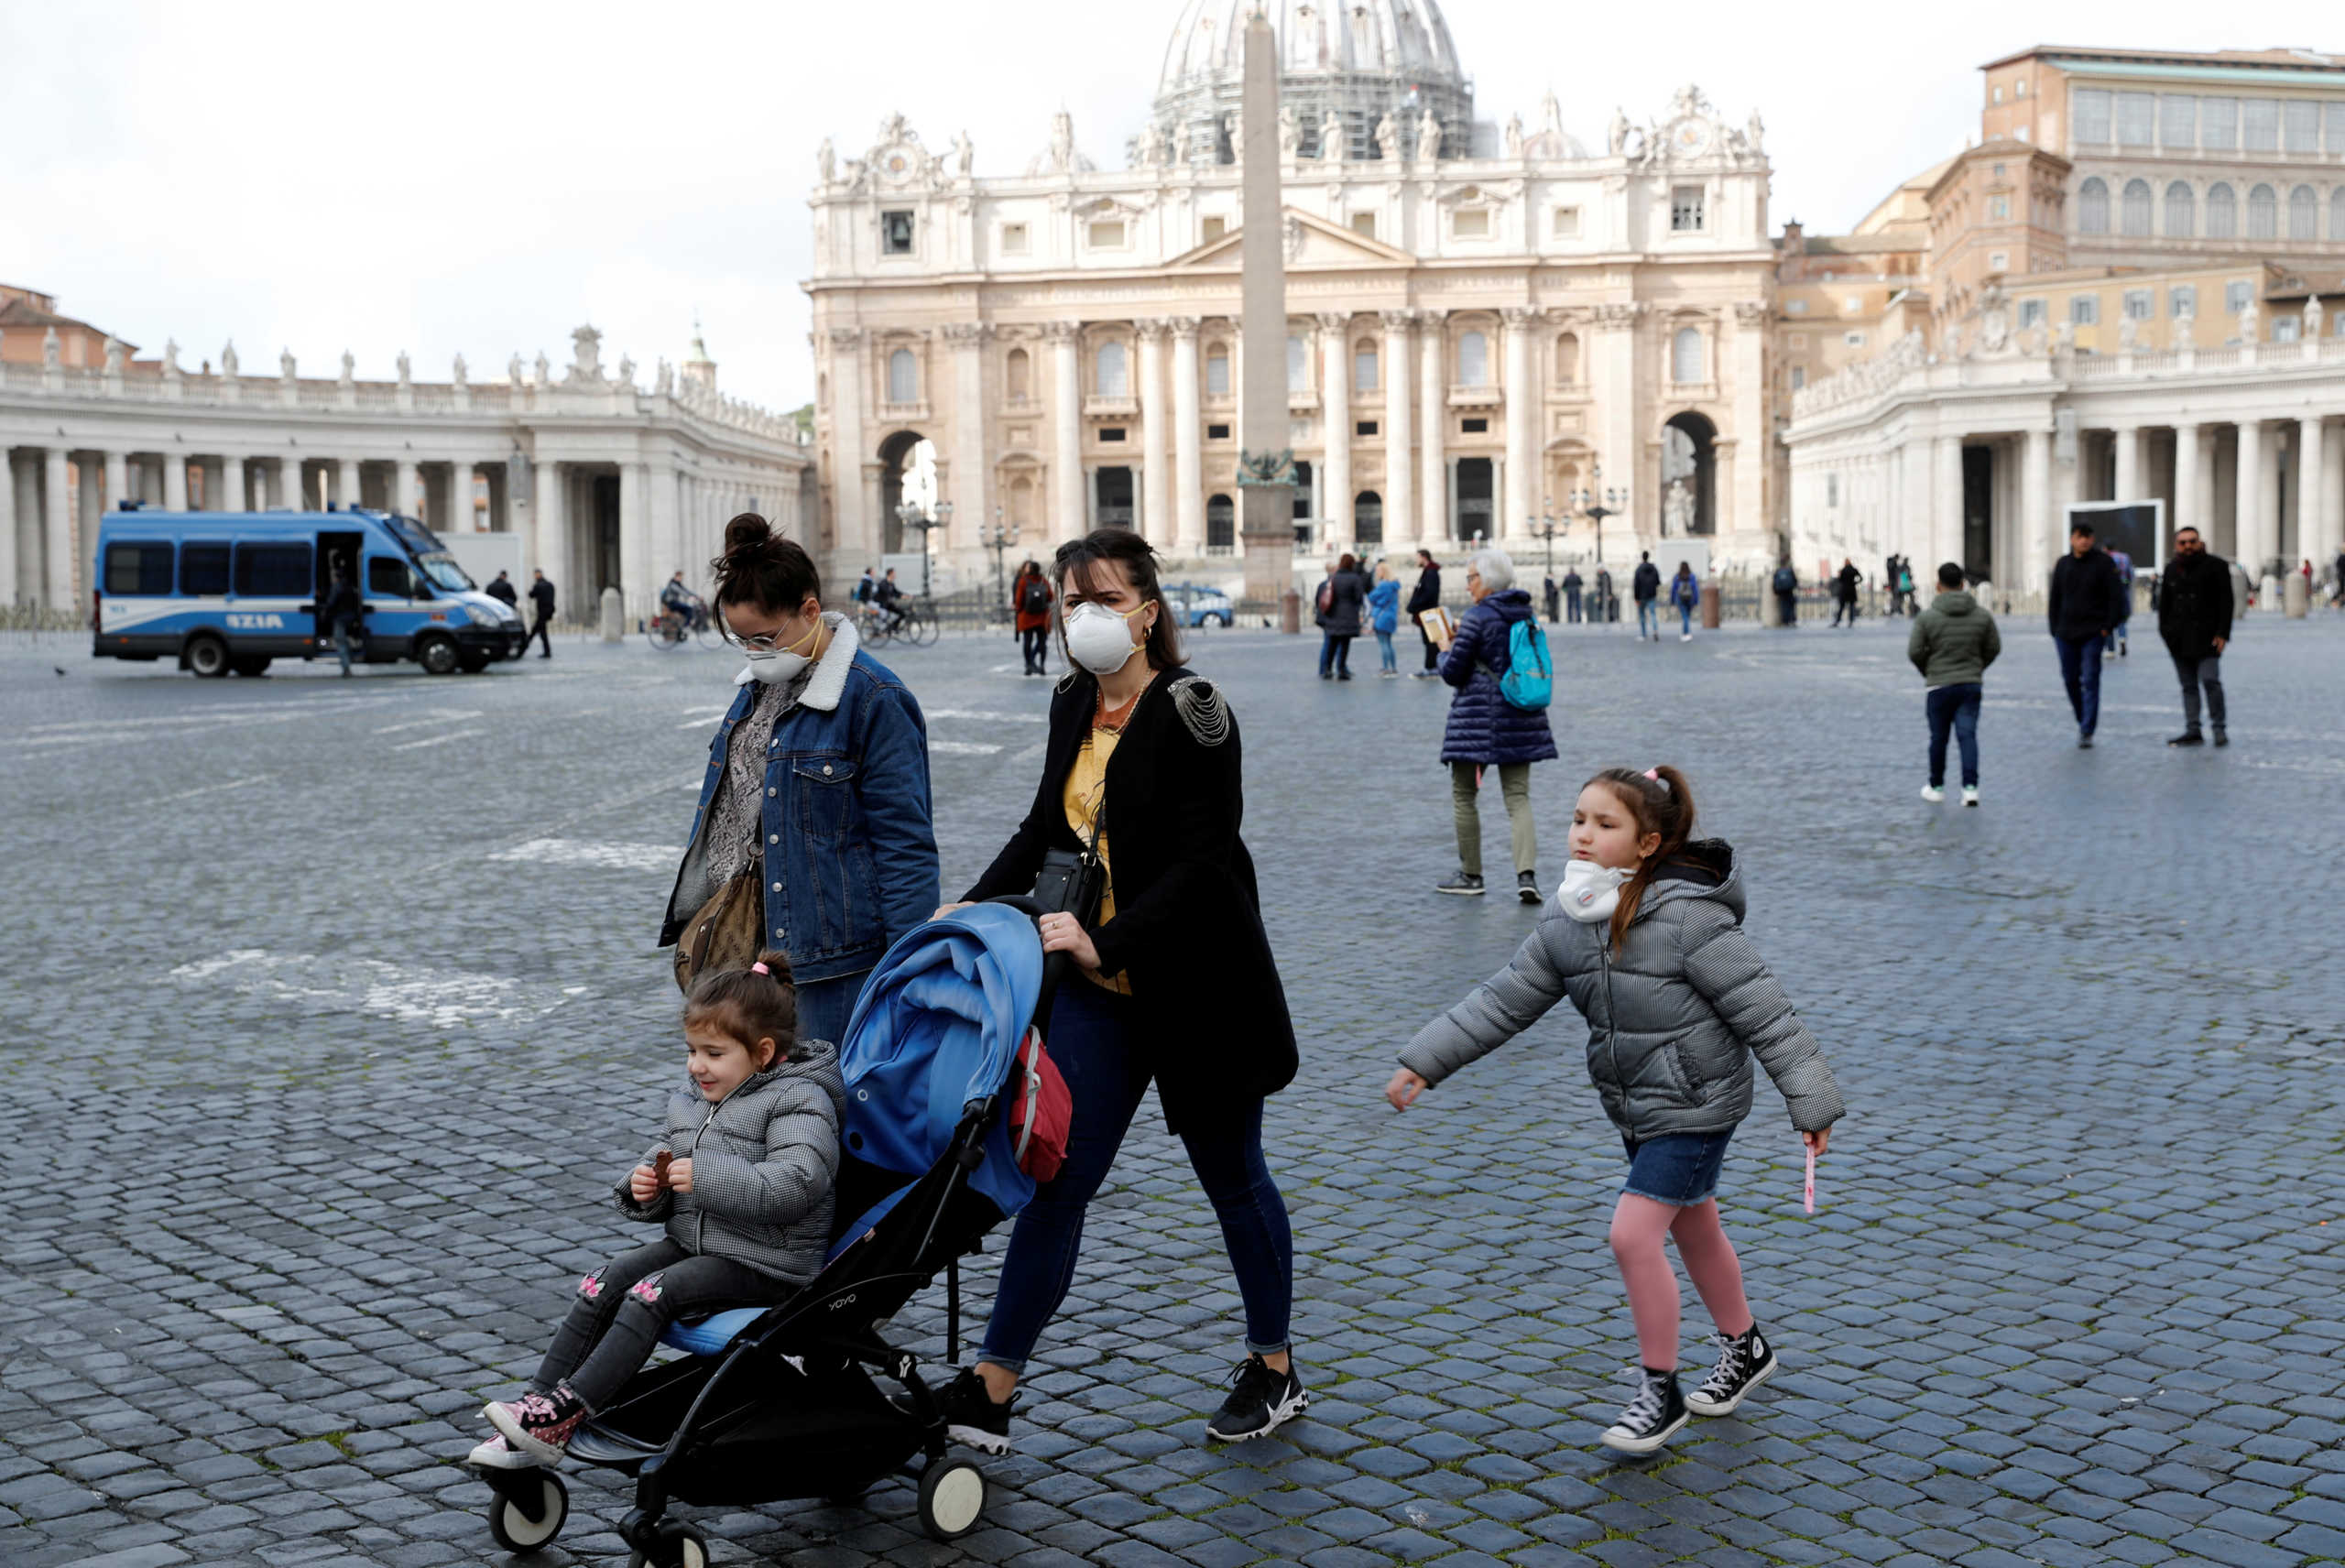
(1085, 798)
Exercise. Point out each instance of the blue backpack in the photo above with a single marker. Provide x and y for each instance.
(1529, 682)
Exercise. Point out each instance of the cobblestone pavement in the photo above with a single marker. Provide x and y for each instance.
(331, 1008)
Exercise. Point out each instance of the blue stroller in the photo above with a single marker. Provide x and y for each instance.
(779, 1402)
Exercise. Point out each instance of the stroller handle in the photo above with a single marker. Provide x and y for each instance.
(1055, 966)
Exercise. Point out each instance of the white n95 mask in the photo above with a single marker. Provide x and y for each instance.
(1099, 638)
(1591, 892)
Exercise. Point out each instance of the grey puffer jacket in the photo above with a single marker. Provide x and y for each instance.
(765, 1161)
(1673, 1020)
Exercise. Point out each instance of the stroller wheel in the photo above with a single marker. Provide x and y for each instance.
(508, 1511)
(952, 1497)
(689, 1551)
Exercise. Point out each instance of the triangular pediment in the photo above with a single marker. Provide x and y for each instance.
(1311, 242)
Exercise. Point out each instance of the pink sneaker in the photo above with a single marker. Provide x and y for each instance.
(540, 1425)
(498, 1455)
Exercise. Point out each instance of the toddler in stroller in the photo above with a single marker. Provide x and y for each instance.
(775, 1398)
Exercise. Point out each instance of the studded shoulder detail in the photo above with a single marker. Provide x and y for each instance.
(1199, 703)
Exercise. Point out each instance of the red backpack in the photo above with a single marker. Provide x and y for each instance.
(1042, 1109)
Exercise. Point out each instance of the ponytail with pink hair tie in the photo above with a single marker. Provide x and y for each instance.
(759, 969)
(1654, 774)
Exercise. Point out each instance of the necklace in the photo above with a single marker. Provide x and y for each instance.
(1121, 712)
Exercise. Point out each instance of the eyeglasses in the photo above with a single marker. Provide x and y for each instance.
(764, 642)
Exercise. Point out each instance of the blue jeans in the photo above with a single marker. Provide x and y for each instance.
(1648, 616)
(1954, 707)
(1685, 620)
(1092, 1037)
(1384, 650)
(824, 1006)
(2081, 672)
(1334, 653)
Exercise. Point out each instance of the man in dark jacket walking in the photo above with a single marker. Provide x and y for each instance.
(541, 602)
(503, 592)
(1645, 587)
(1425, 596)
(342, 612)
(1952, 643)
(1572, 586)
(2195, 620)
(1786, 586)
(2082, 607)
(1844, 592)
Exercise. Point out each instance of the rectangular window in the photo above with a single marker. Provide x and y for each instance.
(1999, 207)
(2182, 299)
(139, 568)
(2260, 124)
(2300, 122)
(895, 234)
(1564, 223)
(1854, 340)
(204, 568)
(1216, 432)
(386, 575)
(1685, 209)
(1013, 239)
(1364, 370)
(2218, 124)
(1111, 432)
(2092, 109)
(1214, 228)
(2140, 304)
(1795, 307)
(2285, 327)
(2335, 115)
(1364, 224)
(2136, 118)
(1217, 374)
(2031, 312)
(273, 570)
(1473, 225)
(2083, 310)
(2178, 120)
(1108, 234)
(1998, 261)
(2236, 296)
(1799, 376)
(1364, 427)
(1473, 427)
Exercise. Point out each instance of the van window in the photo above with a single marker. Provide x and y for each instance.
(203, 568)
(387, 574)
(139, 568)
(273, 570)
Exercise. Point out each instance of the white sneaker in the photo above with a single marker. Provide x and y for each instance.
(1684, 637)
(1933, 793)
(1970, 794)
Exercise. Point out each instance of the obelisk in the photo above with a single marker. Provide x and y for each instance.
(1266, 462)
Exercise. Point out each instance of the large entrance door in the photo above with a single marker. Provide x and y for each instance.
(1977, 515)
(1475, 481)
(1111, 497)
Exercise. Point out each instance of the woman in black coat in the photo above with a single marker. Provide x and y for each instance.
(1347, 592)
(1175, 980)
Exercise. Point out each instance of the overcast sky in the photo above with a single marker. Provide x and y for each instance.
(481, 178)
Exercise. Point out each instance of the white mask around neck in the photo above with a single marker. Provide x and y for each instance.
(1591, 892)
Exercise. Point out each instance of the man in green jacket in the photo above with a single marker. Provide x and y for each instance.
(1952, 643)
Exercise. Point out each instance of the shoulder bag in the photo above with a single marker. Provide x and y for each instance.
(727, 932)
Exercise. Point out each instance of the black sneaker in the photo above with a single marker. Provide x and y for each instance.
(2221, 736)
(2188, 737)
(1745, 1361)
(2084, 743)
(1652, 1419)
(971, 1417)
(1261, 1401)
(1466, 885)
(1526, 886)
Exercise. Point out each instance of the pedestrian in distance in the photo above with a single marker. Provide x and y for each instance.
(1572, 586)
(1889, 579)
(501, 589)
(1608, 608)
(2115, 641)
(1426, 595)
(1645, 938)
(1685, 597)
(1143, 766)
(2242, 592)
(1952, 644)
(1845, 585)
(1032, 597)
(541, 608)
(2081, 608)
(1905, 585)
(1786, 587)
(1486, 730)
(867, 588)
(2195, 606)
(343, 610)
(1341, 598)
(1552, 598)
(742, 1180)
(1645, 588)
(1384, 618)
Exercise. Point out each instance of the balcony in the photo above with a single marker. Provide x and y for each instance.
(1476, 396)
(1111, 405)
(903, 413)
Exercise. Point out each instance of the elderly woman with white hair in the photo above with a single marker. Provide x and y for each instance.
(1486, 731)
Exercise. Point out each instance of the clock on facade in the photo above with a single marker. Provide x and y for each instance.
(1690, 138)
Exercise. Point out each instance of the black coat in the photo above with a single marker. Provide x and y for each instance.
(1349, 592)
(503, 589)
(1188, 925)
(2083, 600)
(1646, 585)
(1844, 584)
(541, 595)
(2195, 605)
(1427, 593)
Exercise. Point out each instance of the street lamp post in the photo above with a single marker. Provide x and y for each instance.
(1596, 503)
(1543, 530)
(997, 539)
(911, 515)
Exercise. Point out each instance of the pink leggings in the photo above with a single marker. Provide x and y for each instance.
(1638, 1226)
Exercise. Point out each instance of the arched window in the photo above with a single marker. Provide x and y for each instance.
(903, 377)
(1218, 371)
(1114, 380)
(2136, 214)
(2181, 211)
(1363, 366)
(2092, 207)
(1567, 359)
(1473, 359)
(2303, 215)
(2222, 212)
(1686, 355)
(2263, 213)
(2336, 231)
(1019, 374)
(1221, 525)
(1368, 518)
(1298, 366)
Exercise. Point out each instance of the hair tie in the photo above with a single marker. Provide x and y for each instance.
(759, 969)
(1654, 774)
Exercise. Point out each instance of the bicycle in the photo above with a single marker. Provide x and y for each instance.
(918, 625)
(873, 626)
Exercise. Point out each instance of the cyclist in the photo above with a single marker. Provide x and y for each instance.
(891, 600)
(679, 604)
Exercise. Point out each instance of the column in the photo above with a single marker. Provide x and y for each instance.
(1523, 403)
(460, 496)
(406, 487)
(549, 521)
(1335, 413)
(117, 482)
(635, 542)
(1753, 438)
(232, 484)
(1943, 538)
(1400, 429)
(2189, 509)
(11, 590)
(856, 539)
(174, 482)
(1156, 455)
(57, 538)
(2332, 498)
(2128, 440)
(2034, 508)
(1433, 466)
(972, 467)
(1188, 440)
(2251, 539)
(665, 542)
(1068, 511)
(2312, 491)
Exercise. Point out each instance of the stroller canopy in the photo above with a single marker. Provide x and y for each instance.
(938, 1026)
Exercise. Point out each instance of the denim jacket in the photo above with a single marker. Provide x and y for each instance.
(850, 852)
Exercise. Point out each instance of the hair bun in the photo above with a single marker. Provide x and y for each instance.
(777, 965)
(747, 534)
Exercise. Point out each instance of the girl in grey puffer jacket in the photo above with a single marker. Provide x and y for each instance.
(742, 1178)
(1645, 937)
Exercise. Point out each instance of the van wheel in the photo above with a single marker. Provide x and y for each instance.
(437, 655)
(250, 664)
(207, 656)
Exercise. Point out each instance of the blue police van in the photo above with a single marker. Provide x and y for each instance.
(231, 591)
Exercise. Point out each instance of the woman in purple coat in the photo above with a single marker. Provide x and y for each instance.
(1487, 731)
